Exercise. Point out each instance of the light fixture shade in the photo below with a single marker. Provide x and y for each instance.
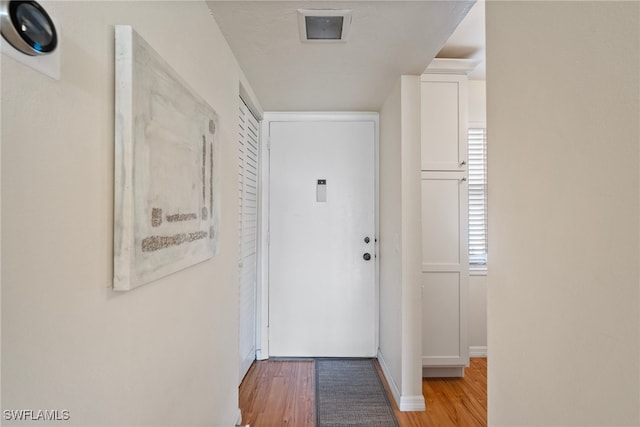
(27, 27)
(317, 25)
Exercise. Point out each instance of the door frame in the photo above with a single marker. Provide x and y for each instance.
(262, 350)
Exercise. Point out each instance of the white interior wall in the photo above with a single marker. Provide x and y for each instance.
(167, 352)
(564, 161)
(390, 251)
(411, 244)
(477, 284)
(400, 302)
(477, 315)
(477, 94)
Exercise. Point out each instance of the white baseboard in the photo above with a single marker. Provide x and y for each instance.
(387, 374)
(412, 403)
(405, 403)
(478, 351)
(443, 372)
(238, 418)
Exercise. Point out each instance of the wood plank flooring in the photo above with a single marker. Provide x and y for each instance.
(451, 402)
(279, 393)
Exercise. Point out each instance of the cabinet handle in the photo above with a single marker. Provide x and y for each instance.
(462, 163)
(463, 179)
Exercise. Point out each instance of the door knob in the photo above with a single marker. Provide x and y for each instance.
(366, 256)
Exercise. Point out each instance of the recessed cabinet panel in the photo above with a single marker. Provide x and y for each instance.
(441, 221)
(441, 318)
(440, 125)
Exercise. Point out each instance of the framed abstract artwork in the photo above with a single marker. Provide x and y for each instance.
(166, 211)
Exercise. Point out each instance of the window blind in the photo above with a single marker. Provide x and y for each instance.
(248, 138)
(478, 243)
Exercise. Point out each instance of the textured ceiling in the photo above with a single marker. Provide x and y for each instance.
(387, 39)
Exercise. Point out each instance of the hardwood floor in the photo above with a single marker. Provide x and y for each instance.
(451, 402)
(278, 393)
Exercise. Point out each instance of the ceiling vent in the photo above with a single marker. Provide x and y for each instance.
(322, 26)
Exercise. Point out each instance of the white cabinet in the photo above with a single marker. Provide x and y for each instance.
(445, 273)
(443, 209)
(444, 122)
(445, 259)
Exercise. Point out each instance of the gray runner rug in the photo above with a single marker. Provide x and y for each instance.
(349, 393)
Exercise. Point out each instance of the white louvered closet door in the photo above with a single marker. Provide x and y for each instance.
(248, 228)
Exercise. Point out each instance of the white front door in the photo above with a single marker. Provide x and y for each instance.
(322, 290)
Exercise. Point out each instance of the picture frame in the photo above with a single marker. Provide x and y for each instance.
(166, 182)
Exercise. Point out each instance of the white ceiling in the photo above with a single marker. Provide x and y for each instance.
(387, 39)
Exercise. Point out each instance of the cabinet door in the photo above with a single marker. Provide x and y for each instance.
(444, 122)
(444, 269)
(441, 319)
